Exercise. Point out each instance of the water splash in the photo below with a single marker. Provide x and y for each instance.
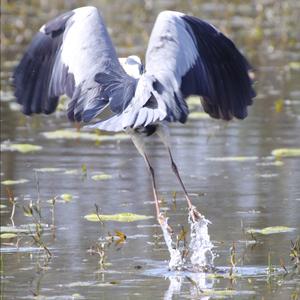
(177, 260)
(201, 257)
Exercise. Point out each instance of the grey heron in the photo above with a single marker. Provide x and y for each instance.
(74, 55)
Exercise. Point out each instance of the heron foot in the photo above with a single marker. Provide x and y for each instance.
(194, 214)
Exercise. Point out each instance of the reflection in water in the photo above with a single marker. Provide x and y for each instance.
(200, 283)
(174, 287)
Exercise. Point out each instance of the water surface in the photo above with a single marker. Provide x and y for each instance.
(254, 192)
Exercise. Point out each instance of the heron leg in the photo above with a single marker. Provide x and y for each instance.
(139, 144)
(195, 215)
(151, 171)
(163, 133)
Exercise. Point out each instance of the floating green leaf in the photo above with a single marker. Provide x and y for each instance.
(13, 182)
(7, 235)
(286, 152)
(271, 230)
(23, 148)
(101, 176)
(69, 134)
(66, 197)
(72, 172)
(2, 206)
(294, 65)
(121, 217)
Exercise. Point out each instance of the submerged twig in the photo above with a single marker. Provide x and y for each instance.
(98, 214)
(100, 249)
(11, 199)
(37, 182)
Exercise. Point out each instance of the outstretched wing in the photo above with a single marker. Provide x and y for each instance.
(73, 55)
(188, 56)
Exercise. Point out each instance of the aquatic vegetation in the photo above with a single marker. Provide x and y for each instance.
(295, 253)
(121, 217)
(271, 230)
(100, 250)
(14, 182)
(8, 235)
(34, 212)
(72, 172)
(66, 197)
(286, 152)
(294, 65)
(101, 176)
(12, 201)
(121, 237)
(69, 134)
(22, 148)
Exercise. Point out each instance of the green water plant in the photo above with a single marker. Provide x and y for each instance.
(295, 254)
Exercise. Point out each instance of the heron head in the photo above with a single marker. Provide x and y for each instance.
(132, 65)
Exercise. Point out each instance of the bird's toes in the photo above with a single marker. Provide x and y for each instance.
(163, 221)
(194, 214)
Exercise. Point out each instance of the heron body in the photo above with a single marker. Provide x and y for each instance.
(74, 55)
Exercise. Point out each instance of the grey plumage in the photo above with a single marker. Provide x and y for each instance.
(73, 55)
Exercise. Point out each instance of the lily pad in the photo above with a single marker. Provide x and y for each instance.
(294, 65)
(286, 152)
(66, 197)
(13, 182)
(102, 176)
(72, 172)
(121, 217)
(271, 230)
(23, 148)
(7, 235)
(69, 134)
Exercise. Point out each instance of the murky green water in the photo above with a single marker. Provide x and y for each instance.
(250, 189)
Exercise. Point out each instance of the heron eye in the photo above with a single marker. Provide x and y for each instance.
(151, 103)
(142, 69)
